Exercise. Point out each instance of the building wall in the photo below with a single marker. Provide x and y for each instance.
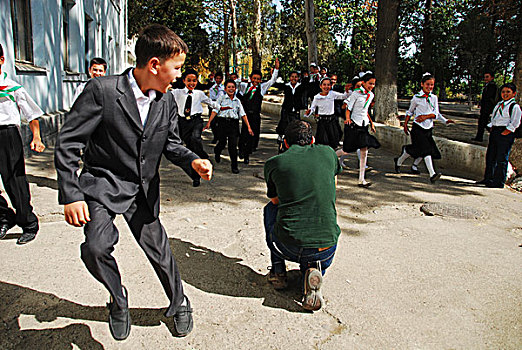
(46, 81)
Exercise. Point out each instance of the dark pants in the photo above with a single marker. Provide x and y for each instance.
(12, 170)
(279, 252)
(497, 156)
(228, 130)
(190, 132)
(482, 123)
(247, 142)
(101, 235)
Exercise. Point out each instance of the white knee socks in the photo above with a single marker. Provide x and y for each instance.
(402, 158)
(429, 165)
(362, 164)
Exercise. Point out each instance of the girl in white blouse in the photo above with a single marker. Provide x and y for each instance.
(356, 134)
(328, 128)
(424, 108)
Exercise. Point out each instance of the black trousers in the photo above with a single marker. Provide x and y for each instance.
(247, 142)
(190, 132)
(497, 156)
(482, 123)
(101, 235)
(12, 170)
(228, 131)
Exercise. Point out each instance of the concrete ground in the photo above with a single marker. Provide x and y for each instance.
(400, 279)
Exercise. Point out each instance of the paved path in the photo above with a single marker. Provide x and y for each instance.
(400, 279)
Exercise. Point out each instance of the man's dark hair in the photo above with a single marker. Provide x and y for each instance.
(1, 50)
(98, 60)
(298, 132)
(510, 86)
(188, 72)
(158, 41)
(229, 81)
(256, 72)
(490, 72)
(218, 74)
(293, 72)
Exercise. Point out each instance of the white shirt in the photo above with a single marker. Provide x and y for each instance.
(198, 97)
(236, 110)
(293, 87)
(358, 104)
(78, 91)
(142, 101)
(215, 91)
(501, 116)
(22, 108)
(264, 86)
(422, 105)
(326, 103)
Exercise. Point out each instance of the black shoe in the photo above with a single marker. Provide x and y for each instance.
(218, 157)
(483, 182)
(235, 170)
(494, 185)
(26, 237)
(196, 182)
(364, 184)
(247, 160)
(3, 230)
(240, 155)
(476, 139)
(415, 170)
(435, 177)
(183, 322)
(119, 320)
(397, 166)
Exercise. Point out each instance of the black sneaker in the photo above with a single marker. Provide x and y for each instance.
(435, 177)
(3, 230)
(235, 170)
(415, 170)
(183, 322)
(246, 160)
(196, 182)
(26, 237)
(119, 320)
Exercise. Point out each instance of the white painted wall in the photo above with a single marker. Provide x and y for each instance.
(53, 90)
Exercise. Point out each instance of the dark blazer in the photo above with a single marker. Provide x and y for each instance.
(120, 155)
(489, 99)
(295, 100)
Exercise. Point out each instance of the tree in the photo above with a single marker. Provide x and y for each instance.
(387, 41)
(256, 42)
(311, 35)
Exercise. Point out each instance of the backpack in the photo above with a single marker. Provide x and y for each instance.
(518, 131)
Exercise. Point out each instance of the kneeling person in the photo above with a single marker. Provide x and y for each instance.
(301, 219)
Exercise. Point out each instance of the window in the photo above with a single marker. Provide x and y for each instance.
(66, 6)
(89, 36)
(22, 30)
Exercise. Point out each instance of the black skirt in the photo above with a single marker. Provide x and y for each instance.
(357, 137)
(422, 143)
(328, 131)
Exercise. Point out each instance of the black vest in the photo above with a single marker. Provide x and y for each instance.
(295, 100)
(252, 105)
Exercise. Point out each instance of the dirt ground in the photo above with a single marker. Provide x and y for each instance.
(400, 279)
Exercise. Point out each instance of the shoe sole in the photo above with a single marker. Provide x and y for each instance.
(313, 299)
(25, 242)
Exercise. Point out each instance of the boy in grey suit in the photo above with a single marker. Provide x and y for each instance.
(123, 124)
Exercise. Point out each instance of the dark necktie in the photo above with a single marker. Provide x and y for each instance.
(188, 104)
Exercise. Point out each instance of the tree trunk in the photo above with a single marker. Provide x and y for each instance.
(427, 39)
(226, 42)
(234, 33)
(311, 34)
(516, 152)
(256, 43)
(387, 40)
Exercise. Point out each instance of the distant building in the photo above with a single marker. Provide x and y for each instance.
(48, 44)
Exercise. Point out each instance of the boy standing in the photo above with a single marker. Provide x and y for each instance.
(123, 124)
(97, 68)
(15, 104)
(251, 96)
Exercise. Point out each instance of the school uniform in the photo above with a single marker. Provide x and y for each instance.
(15, 105)
(328, 129)
(190, 117)
(506, 116)
(214, 92)
(228, 124)
(123, 134)
(356, 134)
(252, 98)
(422, 143)
(487, 104)
(293, 103)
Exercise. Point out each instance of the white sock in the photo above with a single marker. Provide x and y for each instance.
(402, 158)
(429, 165)
(417, 161)
(340, 152)
(343, 158)
(362, 164)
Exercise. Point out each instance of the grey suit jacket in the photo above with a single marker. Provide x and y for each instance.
(121, 156)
